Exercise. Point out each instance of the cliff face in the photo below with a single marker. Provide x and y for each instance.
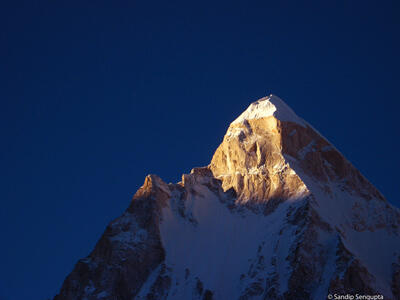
(278, 214)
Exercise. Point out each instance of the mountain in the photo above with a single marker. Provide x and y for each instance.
(278, 214)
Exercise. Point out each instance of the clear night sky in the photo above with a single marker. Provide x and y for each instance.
(95, 95)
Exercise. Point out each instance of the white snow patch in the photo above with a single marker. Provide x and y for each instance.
(218, 249)
(309, 148)
(267, 107)
(234, 131)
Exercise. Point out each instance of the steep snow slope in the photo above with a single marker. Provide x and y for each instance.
(218, 245)
(278, 214)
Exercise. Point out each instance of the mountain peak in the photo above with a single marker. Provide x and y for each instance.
(278, 214)
(269, 152)
(269, 106)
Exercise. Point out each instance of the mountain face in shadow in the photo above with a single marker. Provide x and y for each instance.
(278, 214)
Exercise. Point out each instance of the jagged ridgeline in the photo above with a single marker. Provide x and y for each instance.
(278, 214)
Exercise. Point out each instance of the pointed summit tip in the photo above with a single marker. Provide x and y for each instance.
(270, 106)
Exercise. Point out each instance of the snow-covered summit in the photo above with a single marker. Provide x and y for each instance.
(267, 107)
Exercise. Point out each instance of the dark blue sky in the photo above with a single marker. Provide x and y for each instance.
(97, 94)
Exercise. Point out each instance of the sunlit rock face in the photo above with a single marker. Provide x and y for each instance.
(278, 214)
(251, 161)
(260, 154)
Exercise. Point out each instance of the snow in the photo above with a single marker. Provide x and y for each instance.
(329, 270)
(374, 248)
(233, 132)
(282, 252)
(146, 287)
(267, 107)
(293, 132)
(218, 248)
(135, 235)
(376, 252)
(307, 149)
(130, 237)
